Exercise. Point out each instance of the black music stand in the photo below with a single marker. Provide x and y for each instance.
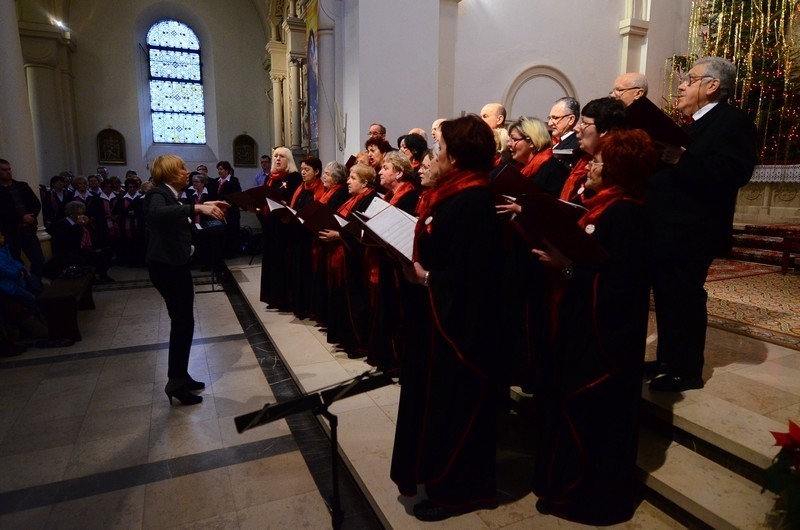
(318, 402)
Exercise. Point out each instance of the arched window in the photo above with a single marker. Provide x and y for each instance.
(176, 84)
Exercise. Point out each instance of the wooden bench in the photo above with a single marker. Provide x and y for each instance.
(60, 303)
(790, 244)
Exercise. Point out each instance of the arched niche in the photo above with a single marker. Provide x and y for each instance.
(533, 92)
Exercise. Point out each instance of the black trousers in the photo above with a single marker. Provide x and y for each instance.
(174, 282)
(681, 315)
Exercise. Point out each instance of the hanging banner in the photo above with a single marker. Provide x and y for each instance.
(312, 24)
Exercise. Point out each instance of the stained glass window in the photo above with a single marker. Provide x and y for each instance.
(176, 84)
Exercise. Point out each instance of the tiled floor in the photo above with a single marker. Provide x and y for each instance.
(89, 440)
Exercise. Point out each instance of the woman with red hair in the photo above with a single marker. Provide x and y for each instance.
(588, 398)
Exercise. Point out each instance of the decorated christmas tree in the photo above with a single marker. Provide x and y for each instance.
(762, 38)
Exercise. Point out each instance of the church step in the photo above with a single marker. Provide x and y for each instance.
(756, 241)
(769, 257)
(709, 492)
(776, 230)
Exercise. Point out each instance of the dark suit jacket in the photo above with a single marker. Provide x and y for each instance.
(568, 143)
(169, 227)
(232, 215)
(690, 205)
(10, 219)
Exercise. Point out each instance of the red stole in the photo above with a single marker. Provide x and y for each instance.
(330, 193)
(392, 197)
(274, 178)
(535, 163)
(345, 209)
(316, 188)
(576, 178)
(449, 184)
(598, 204)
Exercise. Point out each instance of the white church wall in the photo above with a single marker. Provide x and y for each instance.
(668, 35)
(500, 41)
(390, 68)
(107, 75)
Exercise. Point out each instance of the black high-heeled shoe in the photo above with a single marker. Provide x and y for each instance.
(193, 385)
(178, 389)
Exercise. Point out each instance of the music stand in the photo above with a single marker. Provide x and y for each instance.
(318, 402)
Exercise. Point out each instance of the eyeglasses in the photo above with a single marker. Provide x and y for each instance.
(557, 119)
(375, 133)
(690, 79)
(514, 141)
(584, 124)
(618, 91)
(592, 164)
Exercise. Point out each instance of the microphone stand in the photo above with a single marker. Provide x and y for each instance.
(319, 402)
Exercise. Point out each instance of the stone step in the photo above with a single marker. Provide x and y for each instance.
(757, 241)
(708, 491)
(755, 255)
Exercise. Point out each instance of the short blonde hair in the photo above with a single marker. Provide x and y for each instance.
(285, 151)
(400, 162)
(365, 174)
(534, 130)
(165, 169)
(500, 139)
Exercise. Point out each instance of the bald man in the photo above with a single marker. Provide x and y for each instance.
(629, 87)
(435, 129)
(421, 132)
(494, 114)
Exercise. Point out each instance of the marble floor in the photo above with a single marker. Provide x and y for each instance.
(89, 440)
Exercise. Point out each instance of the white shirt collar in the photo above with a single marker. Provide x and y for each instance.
(704, 110)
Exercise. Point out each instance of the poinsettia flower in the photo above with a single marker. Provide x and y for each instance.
(788, 439)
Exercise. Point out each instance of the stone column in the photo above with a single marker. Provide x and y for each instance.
(17, 143)
(329, 146)
(277, 108)
(294, 101)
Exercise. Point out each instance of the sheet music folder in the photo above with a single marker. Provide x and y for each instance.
(644, 114)
(545, 217)
(510, 182)
(393, 229)
(253, 199)
(318, 217)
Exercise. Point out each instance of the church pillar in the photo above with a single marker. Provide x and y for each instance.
(17, 143)
(328, 136)
(633, 30)
(277, 108)
(294, 101)
(46, 52)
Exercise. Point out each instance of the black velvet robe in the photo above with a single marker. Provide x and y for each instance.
(588, 403)
(319, 265)
(445, 436)
(276, 247)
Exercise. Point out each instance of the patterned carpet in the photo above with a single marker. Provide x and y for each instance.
(764, 305)
(724, 269)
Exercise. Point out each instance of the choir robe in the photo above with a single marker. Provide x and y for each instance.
(209, 240)
(130, 216)
(53, 206)
(445, 434)
(388, 325)
(107, 224)
(587, 406)
(276, 245)
(348, 321)
(334, 198)
(300, 272)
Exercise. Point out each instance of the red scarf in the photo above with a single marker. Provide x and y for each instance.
(392, 197)
(576, 178)
(598, 204)
(275, 177)
(449, 184)
(535, 163)
(315, 187)
(345, 209)
(330, 193)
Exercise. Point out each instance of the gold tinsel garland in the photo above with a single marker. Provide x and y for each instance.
(762, 38)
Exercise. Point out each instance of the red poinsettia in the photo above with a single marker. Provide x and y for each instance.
(783, 478)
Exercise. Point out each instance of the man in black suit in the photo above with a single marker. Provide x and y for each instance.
(564, 115)
(690, 202)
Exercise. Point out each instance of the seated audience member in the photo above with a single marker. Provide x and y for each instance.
(588, 400)
(599, 117)
(13, 276)
(75, 243)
